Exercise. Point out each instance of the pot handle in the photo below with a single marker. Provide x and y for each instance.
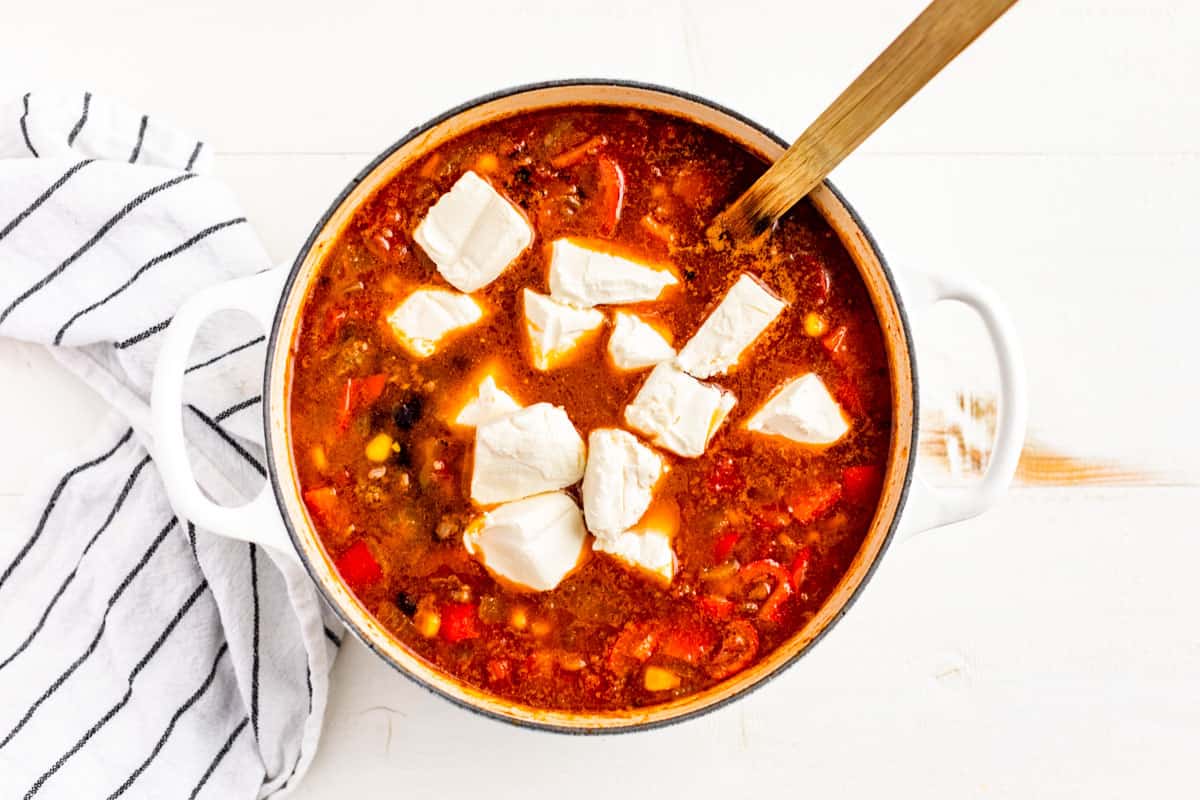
(259, 520)
(928, 507)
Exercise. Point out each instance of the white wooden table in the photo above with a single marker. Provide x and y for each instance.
(1048, 649)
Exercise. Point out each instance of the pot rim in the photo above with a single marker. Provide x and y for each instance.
(276, 482)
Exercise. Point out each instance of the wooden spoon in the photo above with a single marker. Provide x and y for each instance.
(930, 42)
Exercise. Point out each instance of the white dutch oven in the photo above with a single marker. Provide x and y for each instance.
(277, 517)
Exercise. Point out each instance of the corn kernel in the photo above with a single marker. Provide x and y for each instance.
(814, 324)
(518, 618)
(428, 623)
(487, 163)
(572, 662)
(657, 679)
(379, 448)
(540, 628)
(318, 458)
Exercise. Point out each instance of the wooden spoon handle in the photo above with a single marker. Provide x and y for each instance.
(929, 43)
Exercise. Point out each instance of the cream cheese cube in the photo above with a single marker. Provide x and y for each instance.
(472, 233)
(555, 329)
(742, 315)
(801, 410)
(533, 543)
(636, 344)
(649, 551)
(619, 481)
(678, 412)
(490, 402)
(428, 315)
(585, 277)
(524, 453)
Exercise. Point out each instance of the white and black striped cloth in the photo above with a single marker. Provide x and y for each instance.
(139, 656)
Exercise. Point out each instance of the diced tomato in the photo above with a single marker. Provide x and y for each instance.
(715, 607)
(358, 393)
(824, 285)
(358, 566)
(809, 504)
(346, 409)
(799, 568)
(861, 484)
(460, 621)
(724, 476)
(370, 388)
(688, 643)
(612, 194)
(633, 646)
(576, 154)
(322, 504)
(767, 568)
(658, 230)
(499, 670)
(768, 521)
(725, 544)
(850, 398)
(332, 324)
(835, 343)
(739, 646)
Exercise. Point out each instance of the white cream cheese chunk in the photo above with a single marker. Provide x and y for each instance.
(619, 481)
(742, 315)
(555, 329)
(678, 412)
(801, 410)
(646, 550)
(636, 344)
(647, 546)
(527, 452)
(426, 316)
(490, 402)
(585, 277)
(534, 543)
(472, 233)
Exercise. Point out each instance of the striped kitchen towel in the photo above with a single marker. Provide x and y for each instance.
(141, 656)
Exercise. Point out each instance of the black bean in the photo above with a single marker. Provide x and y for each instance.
(407, 413)
(403, 456)
(689, 274)
(405, 604)
(522, 175)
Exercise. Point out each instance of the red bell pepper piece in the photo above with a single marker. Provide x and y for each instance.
(715, 607)
(358, 566)
(724, 476)
(835, 343)
(612, 194)
(576, 154)
(769, 568)
(808, 505)
(359, 392)
(799, 568)
(460, 621)
(322, 504)
(861, 484)
(688, 644)
(725, 544)
(739, 646)
(633, 646)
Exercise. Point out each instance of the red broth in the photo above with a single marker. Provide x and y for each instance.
(767, 527)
